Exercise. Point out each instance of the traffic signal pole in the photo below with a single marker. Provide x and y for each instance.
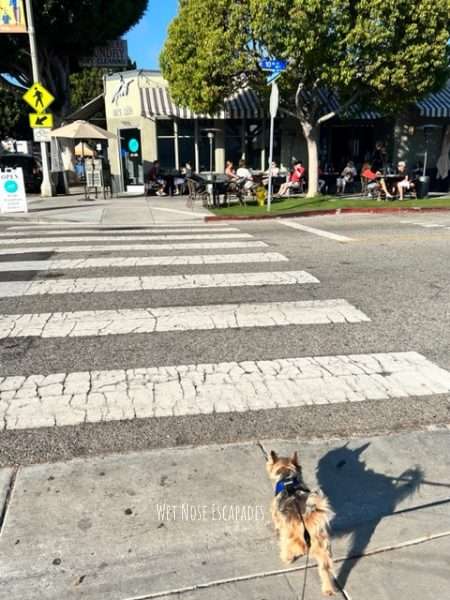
(46, 187)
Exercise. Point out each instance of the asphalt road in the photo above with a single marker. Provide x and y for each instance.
(394, 270)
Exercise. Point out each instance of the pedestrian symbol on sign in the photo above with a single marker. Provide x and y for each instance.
(38, 98)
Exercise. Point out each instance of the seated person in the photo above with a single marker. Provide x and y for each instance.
(229, 170)
(295, 179)
(375, 181)
(321, 184)
(272, 169)
(155, 180)
(246, 176)
(406, 182)
(347, 176)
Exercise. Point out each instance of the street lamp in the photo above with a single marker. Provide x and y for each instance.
(211, 134)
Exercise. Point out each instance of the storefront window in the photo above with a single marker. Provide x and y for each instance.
(166, 152)
(233, 141)
(165, 128)
(186, 149)
(166, 143)
(186, 142)
(254, 143)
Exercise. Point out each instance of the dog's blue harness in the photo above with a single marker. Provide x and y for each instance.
(289, 485)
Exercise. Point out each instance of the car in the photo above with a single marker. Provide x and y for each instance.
(32, 172)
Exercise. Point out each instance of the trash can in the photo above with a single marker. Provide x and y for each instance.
(423, 187)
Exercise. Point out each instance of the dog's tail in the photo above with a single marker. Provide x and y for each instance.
(318, 513)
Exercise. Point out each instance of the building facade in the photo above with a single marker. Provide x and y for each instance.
(149, 126)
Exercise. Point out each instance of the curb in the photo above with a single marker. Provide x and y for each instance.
(329, 212)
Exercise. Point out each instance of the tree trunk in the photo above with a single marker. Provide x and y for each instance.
(311, 133)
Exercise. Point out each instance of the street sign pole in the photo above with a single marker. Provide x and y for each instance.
(274, 101)
(46, 187)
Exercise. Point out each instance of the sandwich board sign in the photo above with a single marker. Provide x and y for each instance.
(12, 191)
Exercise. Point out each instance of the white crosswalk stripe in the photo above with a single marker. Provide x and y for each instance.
(95, 396)
(175, 318)
(141, 261)
(71, 397)
(90, 285)
(127, 238)
(426, 224)
(86, 231)
(70, 226)
(134, 247)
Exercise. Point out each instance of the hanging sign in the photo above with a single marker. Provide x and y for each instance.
(12, 17)
(12, 191)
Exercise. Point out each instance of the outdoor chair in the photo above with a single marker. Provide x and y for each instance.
(196, 189)
(297, 188)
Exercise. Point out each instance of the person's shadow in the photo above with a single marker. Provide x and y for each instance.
(360, 498)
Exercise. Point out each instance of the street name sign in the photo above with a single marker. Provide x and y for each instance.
(41, 120)
(12, 191)
(41, 134)
(38, 98)
(268, 64)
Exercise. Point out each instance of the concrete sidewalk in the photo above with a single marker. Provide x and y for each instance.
(129, 210)
(194, 523)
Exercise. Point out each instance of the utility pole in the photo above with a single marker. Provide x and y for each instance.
(274, 101)
(46, 187)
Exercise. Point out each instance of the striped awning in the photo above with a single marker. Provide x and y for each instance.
(156, 102)
(436, 105)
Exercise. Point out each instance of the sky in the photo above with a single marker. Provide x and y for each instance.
(146, 39)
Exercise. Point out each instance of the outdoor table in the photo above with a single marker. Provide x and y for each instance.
(216, 184)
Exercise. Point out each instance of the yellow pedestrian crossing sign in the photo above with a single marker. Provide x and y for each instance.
(38, 97)
(41, 120)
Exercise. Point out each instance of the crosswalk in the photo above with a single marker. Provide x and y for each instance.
(112, 265)
(427, 224)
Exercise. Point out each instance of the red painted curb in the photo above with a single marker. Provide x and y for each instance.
(336, 211)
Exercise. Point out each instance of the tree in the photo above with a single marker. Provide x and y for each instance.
(383, 54)
(66, 31)
(85, 85)
(13, 117)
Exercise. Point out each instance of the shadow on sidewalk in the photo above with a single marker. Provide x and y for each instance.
(360, 498)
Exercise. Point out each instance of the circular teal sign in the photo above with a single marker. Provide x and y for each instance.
(11, 186)
(133, 145)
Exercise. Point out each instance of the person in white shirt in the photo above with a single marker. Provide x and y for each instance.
(244, 173)
(275, 173)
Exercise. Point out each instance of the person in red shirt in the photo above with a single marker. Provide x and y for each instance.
(375, 181)
(295, 178)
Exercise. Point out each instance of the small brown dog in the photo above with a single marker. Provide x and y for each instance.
(295, 508)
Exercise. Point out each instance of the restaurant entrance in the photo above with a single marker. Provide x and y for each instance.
(131, 160)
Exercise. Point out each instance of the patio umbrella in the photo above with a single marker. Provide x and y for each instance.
(82, 130)
(82, 150)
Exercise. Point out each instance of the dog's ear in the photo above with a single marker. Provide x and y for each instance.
(294, 459)
(273, 457)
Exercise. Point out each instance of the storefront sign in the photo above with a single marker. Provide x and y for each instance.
(12, 191)
(12, 17)
(115, 54)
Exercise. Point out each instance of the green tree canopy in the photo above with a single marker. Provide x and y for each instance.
(66, 31)
(13, 117)
(383, 54)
